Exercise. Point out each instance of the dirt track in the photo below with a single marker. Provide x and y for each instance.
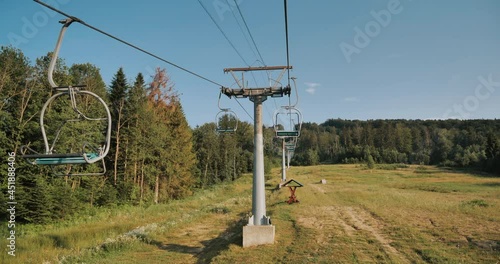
(349, 222)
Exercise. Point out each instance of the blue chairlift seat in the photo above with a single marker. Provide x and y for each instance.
(282, 133)
(61, 159)
(226, 130)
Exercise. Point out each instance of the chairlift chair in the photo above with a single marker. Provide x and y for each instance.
(226, 120)
(287, 122)
(290, 127)
(90, 152)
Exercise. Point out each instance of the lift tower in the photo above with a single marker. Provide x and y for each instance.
(259, 229)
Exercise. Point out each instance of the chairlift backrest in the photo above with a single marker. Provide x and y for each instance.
(226, 121)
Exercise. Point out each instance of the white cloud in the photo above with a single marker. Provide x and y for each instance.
(351, 99)
(311, 90)
(311, 87)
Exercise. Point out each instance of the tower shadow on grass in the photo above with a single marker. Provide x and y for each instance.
(211, 248)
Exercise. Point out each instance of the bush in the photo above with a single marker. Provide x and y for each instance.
(422, 170)
(478, 203)
(220, 210)
(392, 166)
(350, 161)
(371, 162)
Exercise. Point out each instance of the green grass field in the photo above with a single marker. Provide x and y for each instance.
(385, 215)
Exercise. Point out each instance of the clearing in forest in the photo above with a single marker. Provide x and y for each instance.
(415, 214)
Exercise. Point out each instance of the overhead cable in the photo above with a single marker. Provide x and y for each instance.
(128, 43)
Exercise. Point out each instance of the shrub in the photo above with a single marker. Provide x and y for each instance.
(371, 162)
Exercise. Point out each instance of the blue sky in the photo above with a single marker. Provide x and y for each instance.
(412, 59)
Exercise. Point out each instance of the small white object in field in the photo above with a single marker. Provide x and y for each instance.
(323, 181)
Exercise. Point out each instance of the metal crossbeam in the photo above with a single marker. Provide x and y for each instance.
(241, 83)
(251, 92)
(262, 68)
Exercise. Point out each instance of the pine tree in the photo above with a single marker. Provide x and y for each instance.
(185, 162)
(136, 111)
(118, 89)
(207, 149)
(171, 144)
(117, 97)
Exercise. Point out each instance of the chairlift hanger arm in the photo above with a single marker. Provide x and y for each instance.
(67, 22)
(218, 103)
(296, 92)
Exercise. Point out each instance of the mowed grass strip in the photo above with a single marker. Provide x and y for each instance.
(377, 221)
(382, 216)
(414, 214)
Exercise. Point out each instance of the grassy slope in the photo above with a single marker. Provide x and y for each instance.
(410, 215)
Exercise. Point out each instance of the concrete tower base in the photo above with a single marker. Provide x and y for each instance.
(258, 235)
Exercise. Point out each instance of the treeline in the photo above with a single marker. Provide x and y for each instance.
(468, 143)
(225, 156)
(154, 156)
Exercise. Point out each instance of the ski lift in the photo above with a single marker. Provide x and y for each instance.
(290, 143)
(287, 122)
(74, 96)
(288, 119)
(226, 120)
